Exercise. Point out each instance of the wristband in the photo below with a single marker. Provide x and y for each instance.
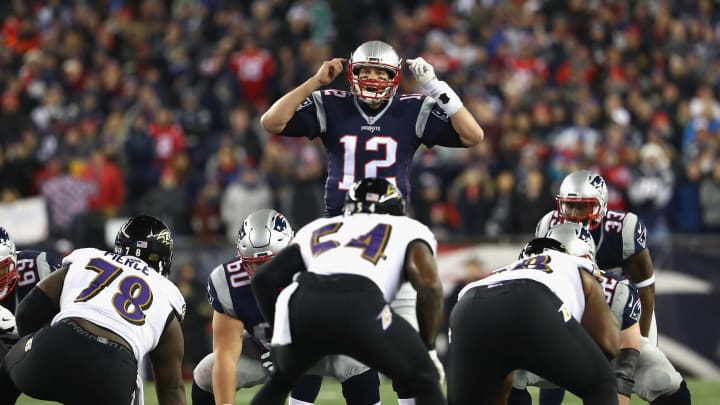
(445, 96)
(646, 282)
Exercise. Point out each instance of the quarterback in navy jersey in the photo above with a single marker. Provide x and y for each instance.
(20, 271)
(621, 240)
(371, 131)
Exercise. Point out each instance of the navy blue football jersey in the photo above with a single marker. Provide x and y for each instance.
(619, 236)
(229, 292)
(623, 298)
(32, 266)
(361, 142)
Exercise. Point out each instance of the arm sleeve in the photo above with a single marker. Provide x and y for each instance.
(305, 122)
(634, 235)
(270, 278)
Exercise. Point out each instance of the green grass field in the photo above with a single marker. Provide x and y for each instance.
(703, 393)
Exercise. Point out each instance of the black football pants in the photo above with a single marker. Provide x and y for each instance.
(342, 314)
(518, 325)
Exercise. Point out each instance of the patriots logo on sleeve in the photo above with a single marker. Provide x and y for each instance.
(440, 113)
(635, 308)
(304, 104)
(641, 235)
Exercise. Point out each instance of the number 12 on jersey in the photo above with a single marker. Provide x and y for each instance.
(350, 157)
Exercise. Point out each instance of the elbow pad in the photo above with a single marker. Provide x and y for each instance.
(625, 370)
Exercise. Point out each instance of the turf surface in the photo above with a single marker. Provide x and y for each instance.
(703, 392)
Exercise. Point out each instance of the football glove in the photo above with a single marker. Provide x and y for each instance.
(438, 364)
(7, 324)
(443, 94)
(267, 363)
(424, 72)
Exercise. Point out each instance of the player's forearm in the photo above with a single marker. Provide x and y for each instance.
(467, 127)
(647, 299)
(171, 394)
(429, 313)
(278, 115)
(224, 380)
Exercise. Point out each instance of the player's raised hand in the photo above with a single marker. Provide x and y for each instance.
(424, 72)
(329, 70)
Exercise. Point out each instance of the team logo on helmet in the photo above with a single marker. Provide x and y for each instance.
(280, 224)
(597, 182)
(164, 237)
(585, 236)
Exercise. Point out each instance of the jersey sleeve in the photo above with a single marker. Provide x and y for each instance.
(177, 302)
(544, 225)
(219, 292)
(49, 260)
(422, 232)
(308, 120)
(434, 127)
(634, 235)
(80, 254)
(624, 302)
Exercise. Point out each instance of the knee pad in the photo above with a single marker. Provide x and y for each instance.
(655, 376)
(202, 374)
(362, 389)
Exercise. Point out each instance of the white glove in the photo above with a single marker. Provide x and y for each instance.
(438, 364)
(445, 96)
(7, 324)
(424, 72)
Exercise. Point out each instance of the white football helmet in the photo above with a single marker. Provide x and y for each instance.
(376, 54)
(583, 198)
(263, 234)
(577, 239)
(8, 264)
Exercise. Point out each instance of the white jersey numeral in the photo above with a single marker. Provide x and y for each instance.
(350, 144)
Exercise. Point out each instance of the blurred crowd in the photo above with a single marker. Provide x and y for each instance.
(116, 107)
